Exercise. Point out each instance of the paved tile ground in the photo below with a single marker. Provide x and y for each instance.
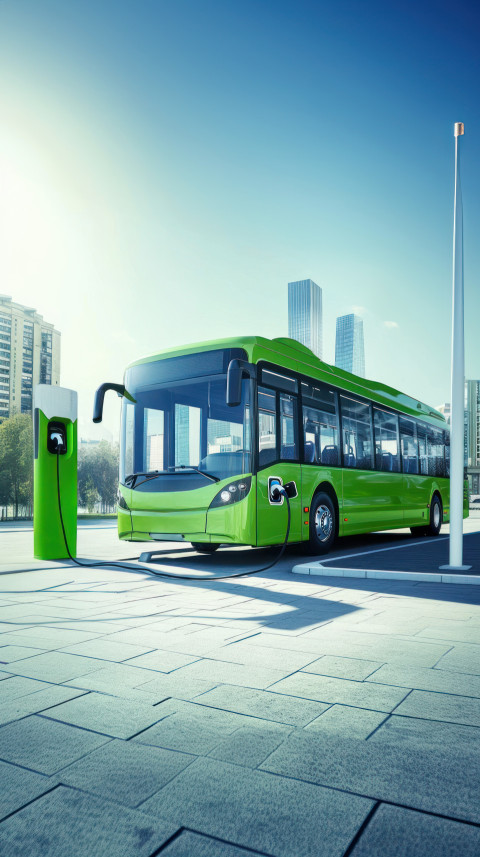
(276, 715)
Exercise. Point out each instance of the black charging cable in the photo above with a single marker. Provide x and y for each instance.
(277, 492)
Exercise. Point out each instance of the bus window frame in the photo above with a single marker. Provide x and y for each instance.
(300, 378)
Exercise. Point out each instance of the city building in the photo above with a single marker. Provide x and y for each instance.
(446, 410)
(29, 355)
(305, 323)
(349, 345)
(472, 434)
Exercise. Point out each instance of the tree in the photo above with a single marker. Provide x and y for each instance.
(98, 475)
(16, 461)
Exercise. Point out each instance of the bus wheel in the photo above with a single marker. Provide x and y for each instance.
(323, 525)
(436, 517)
(204, 547)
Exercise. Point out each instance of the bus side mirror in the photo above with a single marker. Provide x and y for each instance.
(235, 372)
(100, 395)
(234, 383)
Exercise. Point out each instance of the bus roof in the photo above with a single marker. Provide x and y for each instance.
(290, 354)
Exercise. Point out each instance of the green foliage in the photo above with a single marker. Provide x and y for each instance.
(16, 462)
(98, 475)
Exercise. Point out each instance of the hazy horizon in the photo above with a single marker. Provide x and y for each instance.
(167, 168)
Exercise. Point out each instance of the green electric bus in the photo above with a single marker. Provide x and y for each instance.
(208, 429)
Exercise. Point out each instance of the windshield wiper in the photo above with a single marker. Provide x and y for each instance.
(131, 480)
(195, 469)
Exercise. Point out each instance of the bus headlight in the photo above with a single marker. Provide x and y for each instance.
(232, 493)
(121, 502)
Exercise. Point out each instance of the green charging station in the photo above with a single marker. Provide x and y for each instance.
(55, 471)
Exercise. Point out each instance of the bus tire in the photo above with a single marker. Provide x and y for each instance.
(435, 522)
(436, 517)
(204, 547)
(322, 524)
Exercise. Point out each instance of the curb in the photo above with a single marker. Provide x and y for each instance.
(318, 569)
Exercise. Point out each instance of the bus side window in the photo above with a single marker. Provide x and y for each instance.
(357, 434)
(267, 427)
(288, 427)
(436, 452)
(320, 425)
(386, 443)
(320, 431)
(446, 435)
(409, 445)
(422, 448)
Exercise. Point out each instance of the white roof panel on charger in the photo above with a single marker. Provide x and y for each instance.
(56, 401)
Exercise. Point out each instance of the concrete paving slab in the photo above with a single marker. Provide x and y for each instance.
(255, 810)
(124, 771)
(442, 681)
(263, 704)
(328, 689)
(462, 658)
(441, 706)
(222, 672)
(428, 733)
(259, 656)
(352, 668)
(45, 745)
(66, 821)
(103, 714)
(384, 771)
(112, 678)
(175, 684)
(37, 702)
(18, 788)
(397, 832)
(55, 667)
(158, 661)
(352, 722)
(196, 731)
(106, 650)
(190, 844)
(14, 687)
(10, 654)
(48, 637)
(250, 745)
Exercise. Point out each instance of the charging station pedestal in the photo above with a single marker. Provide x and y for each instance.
(55, 444)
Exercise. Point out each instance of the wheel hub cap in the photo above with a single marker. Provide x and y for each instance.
(436, 514)
(323, 523)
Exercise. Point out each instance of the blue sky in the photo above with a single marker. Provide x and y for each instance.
(169, 166)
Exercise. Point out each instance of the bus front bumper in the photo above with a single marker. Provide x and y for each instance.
(234, 524)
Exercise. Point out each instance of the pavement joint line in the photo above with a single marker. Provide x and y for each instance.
(427, 690)
(19, 808)
(169, 841)
(379, 726)
(75, 725)
(475, 824)
(246, 848)
(366, 821)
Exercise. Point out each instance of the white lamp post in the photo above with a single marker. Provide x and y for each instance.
(458, 377)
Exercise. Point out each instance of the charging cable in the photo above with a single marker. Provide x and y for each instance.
(277, 492)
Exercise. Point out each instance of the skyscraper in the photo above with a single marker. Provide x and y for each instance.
(472, 434)
(29, 355)
(349, 346)
(305, 314)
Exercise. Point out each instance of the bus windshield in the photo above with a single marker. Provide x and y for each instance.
(181, 426)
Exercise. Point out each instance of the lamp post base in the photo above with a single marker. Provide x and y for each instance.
(454, 567)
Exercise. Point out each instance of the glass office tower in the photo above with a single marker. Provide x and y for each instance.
(305, 314)
(349, 345)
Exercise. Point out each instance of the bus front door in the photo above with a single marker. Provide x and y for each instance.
(278, 459)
